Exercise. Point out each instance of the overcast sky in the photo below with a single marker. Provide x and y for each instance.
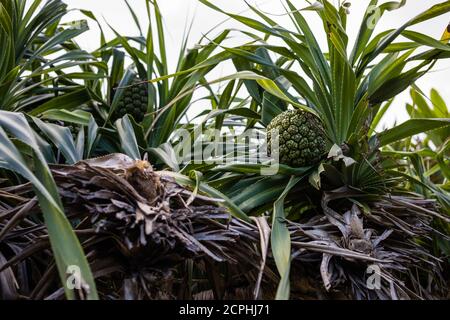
(177, 12)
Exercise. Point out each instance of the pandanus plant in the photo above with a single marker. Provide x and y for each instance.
(348, 87)
(330, 221)
(123, 100)
(38, 66)
(36, 73)
(73, 123)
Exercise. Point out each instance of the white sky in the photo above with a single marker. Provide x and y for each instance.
(177, 12)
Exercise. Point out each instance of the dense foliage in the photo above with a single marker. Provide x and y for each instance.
(346, 197)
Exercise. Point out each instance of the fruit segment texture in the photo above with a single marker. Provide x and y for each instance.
(301, 138)
(134, 102)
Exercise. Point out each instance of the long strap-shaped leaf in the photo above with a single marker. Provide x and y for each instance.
(434, 11)
(65, 245)
(281, 242)
(410, 128)
(127, 138)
